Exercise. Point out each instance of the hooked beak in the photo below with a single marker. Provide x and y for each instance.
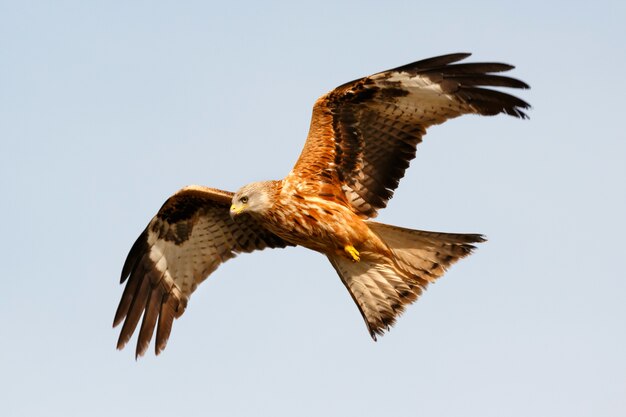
(235, 210)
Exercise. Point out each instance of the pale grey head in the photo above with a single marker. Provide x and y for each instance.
(253, 198)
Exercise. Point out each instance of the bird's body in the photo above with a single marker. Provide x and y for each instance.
(362, 137)
(323, 223)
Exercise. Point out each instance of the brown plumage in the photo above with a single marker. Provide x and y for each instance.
(362, 138)
(188, 239)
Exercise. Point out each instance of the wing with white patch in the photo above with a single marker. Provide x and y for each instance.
(364, 133)
(191, 235)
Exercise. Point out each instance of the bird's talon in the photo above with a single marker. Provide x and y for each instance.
(354, 254)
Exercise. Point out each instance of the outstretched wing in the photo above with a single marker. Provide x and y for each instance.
(191, 235)
(364, 133)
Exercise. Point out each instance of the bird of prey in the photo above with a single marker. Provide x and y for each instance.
(362, 137)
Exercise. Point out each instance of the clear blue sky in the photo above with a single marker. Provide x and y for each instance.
(107, 108)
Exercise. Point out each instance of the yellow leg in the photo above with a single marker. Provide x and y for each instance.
(354, 254)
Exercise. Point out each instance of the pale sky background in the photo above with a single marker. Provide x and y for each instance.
(107, 108)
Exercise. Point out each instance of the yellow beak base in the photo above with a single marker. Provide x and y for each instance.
(236, 209)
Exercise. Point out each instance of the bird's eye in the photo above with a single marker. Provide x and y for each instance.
(244, 200)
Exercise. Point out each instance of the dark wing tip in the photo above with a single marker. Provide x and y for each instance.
(135, 311)
(437, 61)
(168, 313)
(150, 316)
(481, 238)
(130, 291)
(142, 296)
(491, 102)
(454, 81)
(135, 254)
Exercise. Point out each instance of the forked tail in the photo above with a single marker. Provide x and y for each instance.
(382, 286)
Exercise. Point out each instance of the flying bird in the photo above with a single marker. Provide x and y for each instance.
(362, 137)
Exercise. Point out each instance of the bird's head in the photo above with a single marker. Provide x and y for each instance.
(254, 198)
